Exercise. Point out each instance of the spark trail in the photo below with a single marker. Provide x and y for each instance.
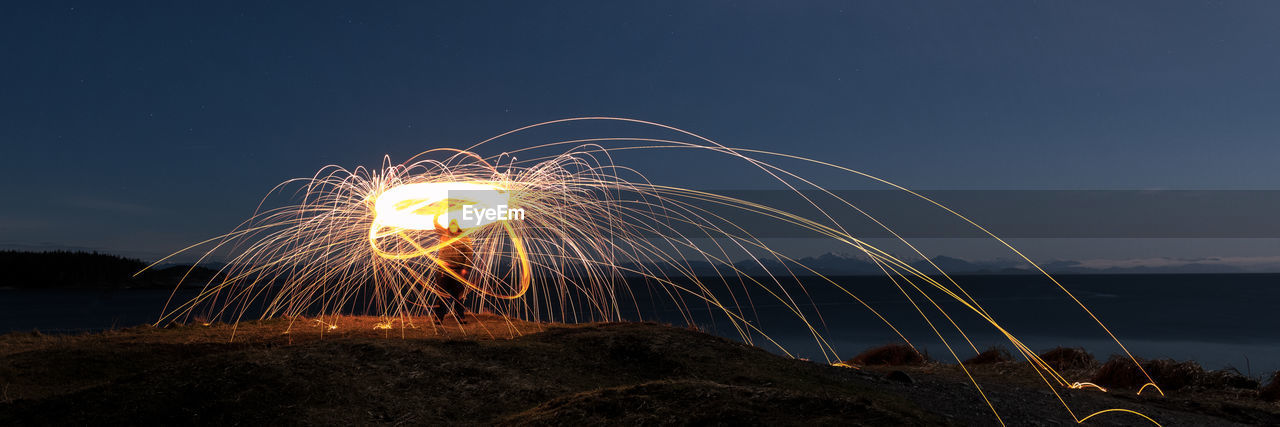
(558, 228)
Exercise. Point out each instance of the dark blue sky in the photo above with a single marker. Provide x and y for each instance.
(137, 127)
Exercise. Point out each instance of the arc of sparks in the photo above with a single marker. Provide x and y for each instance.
(584, 237)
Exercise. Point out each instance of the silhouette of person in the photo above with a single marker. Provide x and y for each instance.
(457, 257)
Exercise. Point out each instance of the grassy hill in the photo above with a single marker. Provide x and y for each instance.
(351, 371)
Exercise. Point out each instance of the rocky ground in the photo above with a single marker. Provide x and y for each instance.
(356, 370)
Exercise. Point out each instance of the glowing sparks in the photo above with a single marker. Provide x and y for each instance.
(439, 206)
(326, 325)
(367, 239)
(1083, 385)
(431, 205)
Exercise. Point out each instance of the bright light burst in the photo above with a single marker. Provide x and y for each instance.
(558, 234)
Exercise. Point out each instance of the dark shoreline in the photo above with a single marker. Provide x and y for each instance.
(1148, 313)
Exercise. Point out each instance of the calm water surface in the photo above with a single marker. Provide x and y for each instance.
(1217, 320)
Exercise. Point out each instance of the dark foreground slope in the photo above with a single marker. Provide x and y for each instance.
(496, 372)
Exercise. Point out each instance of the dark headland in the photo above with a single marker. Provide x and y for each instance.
(353, 370)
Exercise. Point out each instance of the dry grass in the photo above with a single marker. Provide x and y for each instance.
(1171, 375)
(1228, 378)
(1065, 358)
(991, 355)
(1271, 393)
(1119, 372)
(890, 354)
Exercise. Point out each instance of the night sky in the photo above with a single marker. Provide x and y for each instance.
(140, 128)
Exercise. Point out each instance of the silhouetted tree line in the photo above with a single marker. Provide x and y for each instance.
(66, 269)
